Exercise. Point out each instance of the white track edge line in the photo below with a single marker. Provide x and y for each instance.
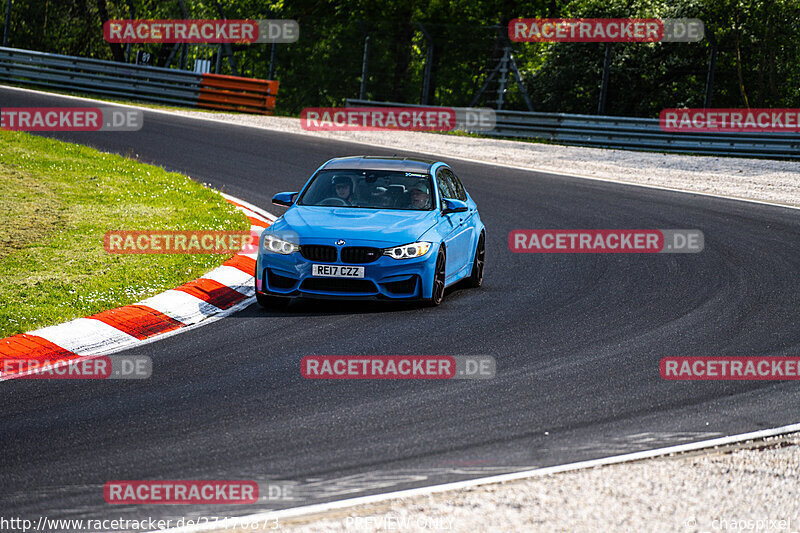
(462, 484)
(375, 498)
(266, 214)
(438, 156)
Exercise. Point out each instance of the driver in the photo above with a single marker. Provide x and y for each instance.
(420, 196)
(344, 188)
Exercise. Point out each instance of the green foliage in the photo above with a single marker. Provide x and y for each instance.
(758, 50)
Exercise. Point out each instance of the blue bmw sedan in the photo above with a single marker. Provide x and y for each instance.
(372, 228)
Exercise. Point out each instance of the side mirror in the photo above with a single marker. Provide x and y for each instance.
(285, 199)
(454, 206)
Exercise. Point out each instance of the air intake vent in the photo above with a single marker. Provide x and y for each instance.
(339, 285)
(276, 281)
(360, 254)
(316, 252)
(402, 287)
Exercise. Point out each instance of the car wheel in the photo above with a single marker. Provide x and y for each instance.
(476, 278)
(271, 302)
(437, 295)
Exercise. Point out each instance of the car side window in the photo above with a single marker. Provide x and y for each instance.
(444, 186)
(455, 186)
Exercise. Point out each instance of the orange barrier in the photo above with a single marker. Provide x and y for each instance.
(232, 93)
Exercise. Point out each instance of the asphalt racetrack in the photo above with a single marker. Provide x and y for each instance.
(577, 339)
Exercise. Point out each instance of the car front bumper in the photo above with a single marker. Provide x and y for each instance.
(384, 279)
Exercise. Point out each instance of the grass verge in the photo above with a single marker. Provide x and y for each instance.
(57, 201)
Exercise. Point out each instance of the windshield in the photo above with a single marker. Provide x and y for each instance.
(372, 189)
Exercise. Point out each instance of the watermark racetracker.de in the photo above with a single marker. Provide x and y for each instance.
(608, 30)
(398, 367)
(44, 524)
(399, 118)
(70, 119)
(776, 120)
(609, 241)
(85, 367)
(180, 242)
(171, 492)
(733, 368)
(208, 31)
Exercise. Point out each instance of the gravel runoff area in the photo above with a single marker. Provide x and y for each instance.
(754, 179)
(745, 489)
(751, 488)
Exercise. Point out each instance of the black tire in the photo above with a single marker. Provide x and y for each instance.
(271, 302)
(437, 295)
(475, 279)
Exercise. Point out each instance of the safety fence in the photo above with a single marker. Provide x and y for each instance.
(138, 82)
(630, 133)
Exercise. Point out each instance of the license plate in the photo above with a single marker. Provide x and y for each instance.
(337, 271)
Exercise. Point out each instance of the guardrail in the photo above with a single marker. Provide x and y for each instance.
(138, 82)
(233, 93)
(630, 133)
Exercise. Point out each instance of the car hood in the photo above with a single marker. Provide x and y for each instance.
(390, 226)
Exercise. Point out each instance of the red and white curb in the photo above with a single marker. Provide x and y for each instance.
(218, 292)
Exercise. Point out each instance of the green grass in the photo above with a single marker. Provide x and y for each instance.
(57, 200)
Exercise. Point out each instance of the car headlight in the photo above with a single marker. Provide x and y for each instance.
(408, 251)
(278, 246)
